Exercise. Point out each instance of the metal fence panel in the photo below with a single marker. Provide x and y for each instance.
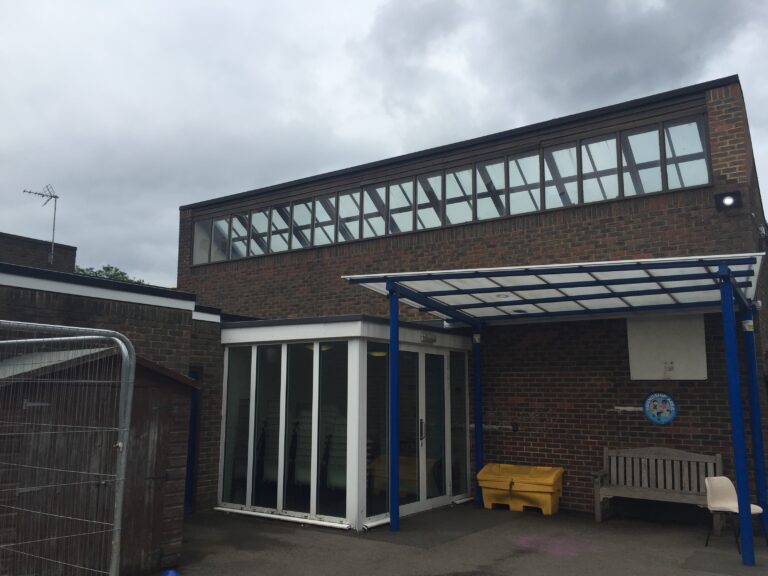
(65, 397)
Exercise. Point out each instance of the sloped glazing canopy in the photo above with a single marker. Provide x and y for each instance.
(516, 293)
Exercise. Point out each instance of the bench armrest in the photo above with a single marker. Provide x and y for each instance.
(600, 476)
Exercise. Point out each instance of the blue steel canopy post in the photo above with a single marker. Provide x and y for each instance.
(758, 452)
(477, 372)
(737, 417)
(394, 409)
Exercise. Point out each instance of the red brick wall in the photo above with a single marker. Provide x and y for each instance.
(208, 354)
(549, 391)
(164, 335)
(31, 252)
(308, 283)
(730, 145)
(159, 334)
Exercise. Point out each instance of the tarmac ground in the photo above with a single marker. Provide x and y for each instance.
(462, 540)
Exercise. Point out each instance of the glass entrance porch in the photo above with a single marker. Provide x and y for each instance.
(306, 414)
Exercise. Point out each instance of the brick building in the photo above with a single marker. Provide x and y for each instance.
(666, 176)
(37, 253)
(179, 367)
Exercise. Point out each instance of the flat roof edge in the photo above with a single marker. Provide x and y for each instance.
(84, 280)
(428, 325)
(519, 131)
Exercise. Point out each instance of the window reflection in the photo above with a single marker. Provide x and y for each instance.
(641, 161)
(458, 196)
(281, 216)
(349, 216)
(220, 244)
(560, 185)
(202, 242)
(325, 220)
(429, 197)
(301, 225)
(374, 211)
(238, 243)
(259, 232)
(524, 184)
(686, 158)
(599, 169)
(377, 429)
(298, 427)
(401, 206)
(490, 190)
(236, 431)
(266, 426)
(332, 431)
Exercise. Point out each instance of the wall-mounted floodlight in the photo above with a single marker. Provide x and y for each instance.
(728, 200)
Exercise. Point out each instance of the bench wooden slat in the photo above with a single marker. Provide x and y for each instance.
(620, 464)
(655, 473)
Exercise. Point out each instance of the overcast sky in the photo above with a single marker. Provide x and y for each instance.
(133, 108)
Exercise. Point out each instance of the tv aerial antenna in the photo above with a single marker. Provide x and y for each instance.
(49, 194)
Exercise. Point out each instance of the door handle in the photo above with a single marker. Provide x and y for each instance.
(421, 429)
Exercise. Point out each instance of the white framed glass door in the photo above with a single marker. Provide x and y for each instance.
(433, 428)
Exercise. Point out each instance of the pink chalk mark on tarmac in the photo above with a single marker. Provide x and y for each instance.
(554, 545)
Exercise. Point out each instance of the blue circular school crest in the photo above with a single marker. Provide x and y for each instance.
(659, 408)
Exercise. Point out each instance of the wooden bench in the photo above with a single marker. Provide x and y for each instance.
(655, 473)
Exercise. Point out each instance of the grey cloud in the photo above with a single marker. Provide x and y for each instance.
(132, 109)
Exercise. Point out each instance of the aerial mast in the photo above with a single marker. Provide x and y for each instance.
(49, 194)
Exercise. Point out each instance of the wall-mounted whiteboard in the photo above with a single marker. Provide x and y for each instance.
(667, 348)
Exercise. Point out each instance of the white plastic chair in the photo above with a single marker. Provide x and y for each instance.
(722, 499)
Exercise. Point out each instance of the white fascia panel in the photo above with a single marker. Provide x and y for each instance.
(339, 330)
(291, 332)
(206, 317)
(58, 287)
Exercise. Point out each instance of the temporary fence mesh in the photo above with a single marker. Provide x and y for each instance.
(60, 402)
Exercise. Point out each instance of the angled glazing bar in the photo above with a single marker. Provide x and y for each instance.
(602, 296)
(582, 284)
(446, 309)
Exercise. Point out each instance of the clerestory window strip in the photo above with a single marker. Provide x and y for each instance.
(658, 157)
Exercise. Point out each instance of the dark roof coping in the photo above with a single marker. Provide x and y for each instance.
(82, 279)
(589, 114)
(429, 325)
(167, 372)
(207, 309)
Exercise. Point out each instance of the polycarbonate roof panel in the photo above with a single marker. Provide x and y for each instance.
(493, 295)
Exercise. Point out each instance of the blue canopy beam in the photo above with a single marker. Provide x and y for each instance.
(712, 304)
(394, 409)
(737, 417)
(758, 450)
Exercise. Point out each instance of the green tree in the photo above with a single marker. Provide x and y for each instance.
(108, 271)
